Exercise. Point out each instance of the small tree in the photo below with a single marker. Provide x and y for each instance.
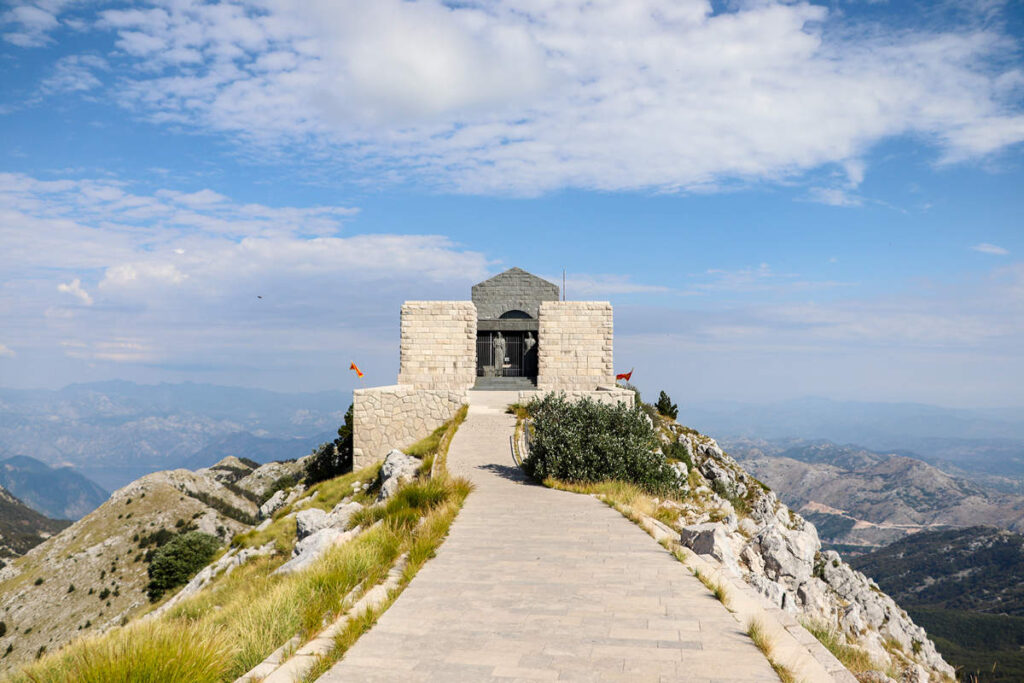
(333, 458)
(666, 407)
(178, 561)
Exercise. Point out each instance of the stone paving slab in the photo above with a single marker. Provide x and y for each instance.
(537, 584)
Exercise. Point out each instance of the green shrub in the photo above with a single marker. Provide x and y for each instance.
(680, 451)
(666, 407)
(333, 458)
(587, 441)
(3, 629)
(178, 561)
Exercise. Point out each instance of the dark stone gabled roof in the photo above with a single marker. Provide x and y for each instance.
(512, 290)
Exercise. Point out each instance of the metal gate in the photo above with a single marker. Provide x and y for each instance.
(519, 358)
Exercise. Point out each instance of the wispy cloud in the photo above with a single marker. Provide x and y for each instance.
(74, 288)
(834, 196)
(762, 278)
(6, 351)
(986, 248)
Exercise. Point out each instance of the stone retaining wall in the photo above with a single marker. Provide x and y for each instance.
(602, 395)
(575, 345)
(397, 416)
(438, 349)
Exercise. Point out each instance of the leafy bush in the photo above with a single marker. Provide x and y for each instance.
(3, 629)
(666, 407)
(179, 560)
(587, 441)
(333, 458)
(680, 451)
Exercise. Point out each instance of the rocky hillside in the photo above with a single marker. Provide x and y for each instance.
(22, 528)
(966, 586)
(61, 492)
(93, 574)
(860, 500)
(735, 518)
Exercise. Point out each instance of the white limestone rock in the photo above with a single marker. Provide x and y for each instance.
(310, 549)
(398, 469)
(273, 504)
(309, 521)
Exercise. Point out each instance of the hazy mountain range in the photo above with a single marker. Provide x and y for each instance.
(60, 493)
(860, 499)
(114, 432)
(985, 446)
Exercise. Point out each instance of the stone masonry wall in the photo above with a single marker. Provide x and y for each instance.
(608, 395)
(397, 416)
(574, 346)
(515, 289)
(438, 349)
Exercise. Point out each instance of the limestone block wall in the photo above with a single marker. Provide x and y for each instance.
(397, 416)
(438, 348)
(575, 345)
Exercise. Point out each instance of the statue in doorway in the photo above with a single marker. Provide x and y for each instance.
(498, 347)
(529, 343)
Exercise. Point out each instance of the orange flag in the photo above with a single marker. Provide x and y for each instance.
(625, 375)
(356, 368)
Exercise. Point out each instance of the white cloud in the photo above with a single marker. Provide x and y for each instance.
(74, 73)
(31, 24)
(173, 279)
(74, 288)
(986, 248)
(531, 96)
(6, 351)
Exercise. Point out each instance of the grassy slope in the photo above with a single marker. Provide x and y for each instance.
(230, 627)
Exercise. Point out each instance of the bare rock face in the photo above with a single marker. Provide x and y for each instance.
(272, 505)
(398, 469)
(779, 554)
(309, 521)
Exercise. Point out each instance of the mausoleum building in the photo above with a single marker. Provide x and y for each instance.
(513, 335)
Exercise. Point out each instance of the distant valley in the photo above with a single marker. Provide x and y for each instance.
(60, 493)
(22, 528)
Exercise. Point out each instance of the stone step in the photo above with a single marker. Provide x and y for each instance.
(504, 383)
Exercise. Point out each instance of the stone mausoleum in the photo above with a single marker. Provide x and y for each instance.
(514, 335)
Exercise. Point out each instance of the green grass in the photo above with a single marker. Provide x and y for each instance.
(235, 623)
(755, 629)
(853, 658)
(153, 652)
(716, 588)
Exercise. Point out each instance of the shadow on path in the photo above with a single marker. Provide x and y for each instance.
(508, 472)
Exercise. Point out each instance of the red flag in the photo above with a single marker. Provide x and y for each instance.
(356, 368)
(625, 375)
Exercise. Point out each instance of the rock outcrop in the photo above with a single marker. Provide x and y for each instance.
(732, 517)
(398, 469)
(316, 531)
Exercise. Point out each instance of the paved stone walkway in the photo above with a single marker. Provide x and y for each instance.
(536, 584)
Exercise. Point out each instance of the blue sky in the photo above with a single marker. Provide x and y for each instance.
(780, 199)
